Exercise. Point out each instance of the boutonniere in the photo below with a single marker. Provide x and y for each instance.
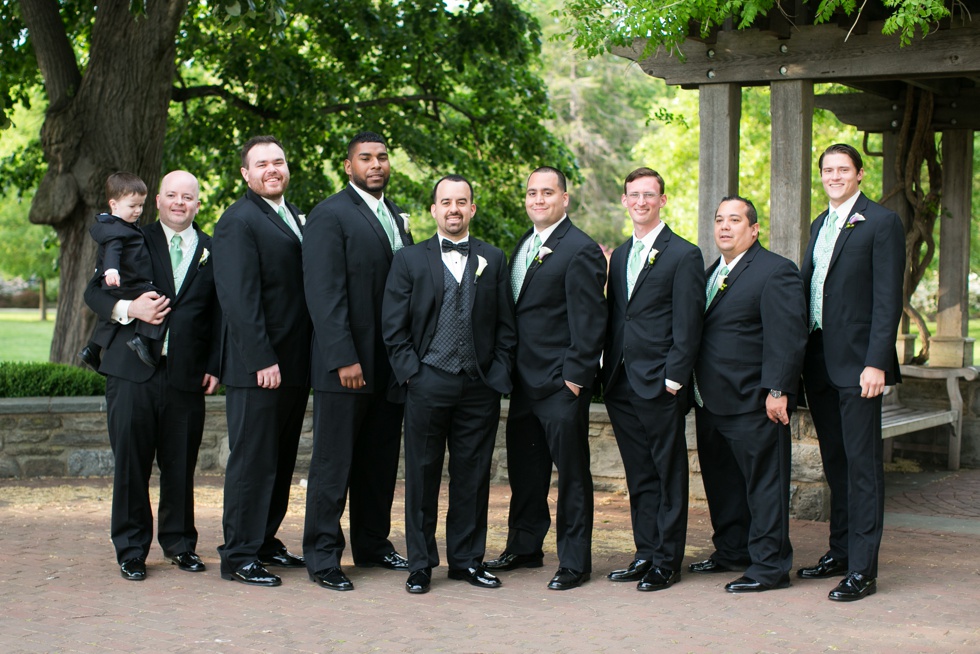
(481, 263)
(722, 285)
(653, 256)
(854, 220)
(205, 255)
(302, 219)
(542, 253)
(405, 218)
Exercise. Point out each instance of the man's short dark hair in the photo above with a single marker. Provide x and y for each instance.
(645, 172)
(842, 148)
(452, 178)
(121, 184)
(364, 137)
(562, 184)
(750, 211)
(257, 140)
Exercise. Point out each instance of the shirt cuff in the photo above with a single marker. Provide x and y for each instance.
(672, 385)
(110, 270)
(120, 312)
(573, 384)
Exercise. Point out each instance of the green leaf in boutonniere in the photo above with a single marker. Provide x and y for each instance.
(542, 253)
(854, 220)
(653, 256)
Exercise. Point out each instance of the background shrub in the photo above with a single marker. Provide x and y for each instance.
(48, 380)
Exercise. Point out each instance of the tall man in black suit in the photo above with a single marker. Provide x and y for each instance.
(654, 294)
(159, 412)
(350, 241)
(853, 271)
(449, 326)
(265, 362)
(747, 376)
(557, 277)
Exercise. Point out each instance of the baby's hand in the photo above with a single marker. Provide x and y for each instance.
(112, 278)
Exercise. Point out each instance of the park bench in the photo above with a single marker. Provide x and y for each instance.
(898, 419)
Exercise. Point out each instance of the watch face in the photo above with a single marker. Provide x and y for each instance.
(776, 394)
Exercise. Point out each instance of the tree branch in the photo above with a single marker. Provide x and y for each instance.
(53, 50)
(185, 93)
(400, 99)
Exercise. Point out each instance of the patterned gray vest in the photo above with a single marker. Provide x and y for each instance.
(452, 347)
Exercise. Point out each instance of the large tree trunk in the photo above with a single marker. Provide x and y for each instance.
(112, 117)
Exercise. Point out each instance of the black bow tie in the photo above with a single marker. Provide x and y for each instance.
(462, 247)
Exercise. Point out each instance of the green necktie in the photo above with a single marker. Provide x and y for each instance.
(822, 252)
(634, 266)
(532, 252)
(518, 273)
(716, 285)
(388, 226)
(176, 254)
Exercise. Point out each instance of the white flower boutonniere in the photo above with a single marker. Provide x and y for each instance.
(653, 256)
(481, 263)
(542, 253)
(854, 220)
(722, 285)
(302, 219)
(405, 218)
(205, 255)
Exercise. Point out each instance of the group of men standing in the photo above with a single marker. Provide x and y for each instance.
(431, 335)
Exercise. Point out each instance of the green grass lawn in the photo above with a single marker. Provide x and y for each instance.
(974, 330)
(23, 337)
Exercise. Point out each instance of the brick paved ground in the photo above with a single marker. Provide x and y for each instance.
(60, 590)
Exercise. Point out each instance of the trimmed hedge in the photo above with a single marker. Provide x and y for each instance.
(48, 380)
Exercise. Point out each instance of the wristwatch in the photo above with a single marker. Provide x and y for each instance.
(776, 394)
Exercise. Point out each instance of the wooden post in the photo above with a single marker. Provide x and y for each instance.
(791, 106)
(897, 202)
(720, 112)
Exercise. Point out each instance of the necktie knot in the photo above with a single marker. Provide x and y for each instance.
(176, 253)
(463, 247)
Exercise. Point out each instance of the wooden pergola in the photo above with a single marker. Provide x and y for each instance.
(790, 54)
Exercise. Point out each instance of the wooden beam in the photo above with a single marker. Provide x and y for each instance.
(791, 106)
(720, 111)
(871, 113)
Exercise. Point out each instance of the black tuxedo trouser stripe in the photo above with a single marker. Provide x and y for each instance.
(150, 419)
(746, 462)
(442, 409)
(553, 430)
(263, 437)
(650, 435)
(356, 444)
(849, 433)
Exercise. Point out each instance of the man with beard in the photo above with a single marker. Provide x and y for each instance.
(265, 362)
(350, 241)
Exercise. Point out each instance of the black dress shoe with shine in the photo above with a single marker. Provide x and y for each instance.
(142, 350)
(90, 358)
(133, 570)
(282, 558)
(508, 561)
(418, 581)
(392, 561)
(253, 574)
(332, 578)
(476, 576)
(748, 585)
(708, 566)
(566, 579)
(633, 572)
(188, 561)
(855, 586)
(658, 578)
(827, 566)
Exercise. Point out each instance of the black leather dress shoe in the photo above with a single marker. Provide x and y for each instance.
(566, 578)
(708, 566)
(418, 581)
(282, 559)
(476, 576)
(392, 561)
(748, 585)
(332, 578)
(253, 574)
(142, 350)
(90, 358)
(508, 561)
(633, 572)
(188, 561)
(133, 570)
(827, 566)
(854, 587)
(658, 578)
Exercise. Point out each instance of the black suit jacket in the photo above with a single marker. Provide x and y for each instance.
(754, 335)
(345, 268)
(862, 301)
(561, 313)
(413, 299)
(655, 334)
(122, 246)
(258, 271)
(194, 320)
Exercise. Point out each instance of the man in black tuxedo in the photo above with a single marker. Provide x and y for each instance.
(557, 277)
(449, 327)
(265, 362)
(654, 295)
(853, 271)
(159, 412)
(747, 376)
(350, 241)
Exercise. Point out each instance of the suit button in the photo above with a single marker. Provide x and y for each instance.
(627, 317)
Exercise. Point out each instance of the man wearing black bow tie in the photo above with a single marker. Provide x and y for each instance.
(449, 329)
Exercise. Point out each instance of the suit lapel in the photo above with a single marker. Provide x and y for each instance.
(195, 259)
(433, 255)
(861, 204)
(552, 244)
(469, 270)
(396, 217)
(808, 257)
(733, 274)
(372, 220)
(156, 243)
(661, 243)
(280, 224)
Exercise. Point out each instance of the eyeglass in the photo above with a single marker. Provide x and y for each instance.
(649, 197)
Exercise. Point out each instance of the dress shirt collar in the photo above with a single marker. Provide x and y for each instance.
(844, 209)
(546, 233)
(275, 207)
(731, 265)
(651, 236)
(188, 237)
(372, 202)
